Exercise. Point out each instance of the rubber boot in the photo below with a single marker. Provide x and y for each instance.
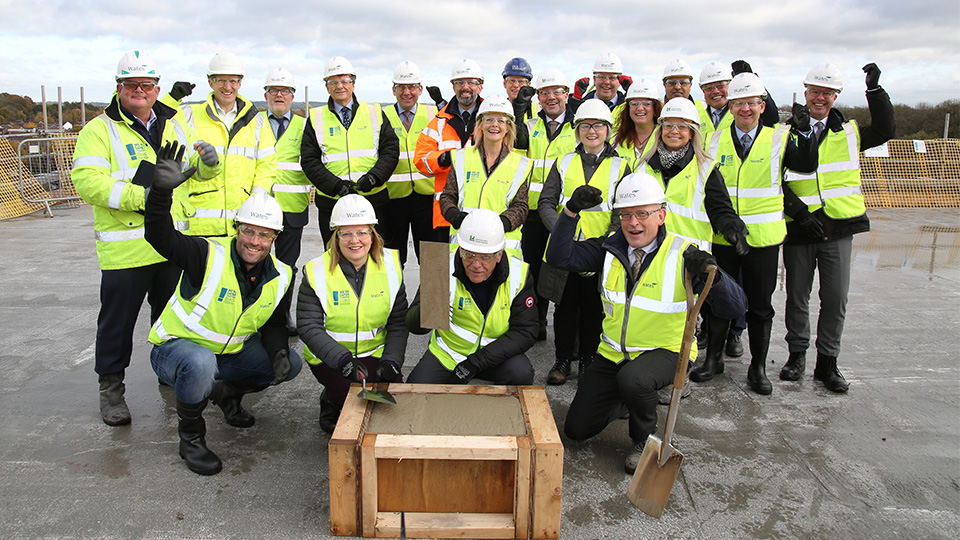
(329, 413)
(227, 396)
(559, 372)
(828, 373)
(113, 408)
(793, 369)
(193, 446)
(585, 361)
(734, 346)
(759, 334)
(716, 339)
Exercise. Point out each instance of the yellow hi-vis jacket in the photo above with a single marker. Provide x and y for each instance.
(356, 321)
(105, 160)
(755, 186)
(215, 316)
(836, 185)
(632, 155)
(291, 188)
(249, 157)
(686, 213)
(543, 153)
(348, 153)
(406, 178)
(706, 122)
(653, 314)
(593, 221)
(469, 329)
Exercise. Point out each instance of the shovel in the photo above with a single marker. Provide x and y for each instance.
(381, 396)
(660, 462)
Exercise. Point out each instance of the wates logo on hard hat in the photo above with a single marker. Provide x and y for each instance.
(824, 78)
(259, 215)
(606, 65)
(355, 214)
(478, 240)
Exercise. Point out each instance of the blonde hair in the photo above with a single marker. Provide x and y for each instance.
(376, 248)
(703, 158)
(508, 138)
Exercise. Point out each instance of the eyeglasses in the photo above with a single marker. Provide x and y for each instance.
(677, 82)
(634, 103)
(280, 91)
(824, 93)
(713, 87)
(405, 87)
(131, 86)
(586, 127)
(554, 92)
(250, 233)
(469, 256)
(517, 80)
(670, 126)
(640, 215)
(744, 103)
(499, 120)
(225, 82)
(608, 78)
(333, 83)
(460, 83)
(354, 235)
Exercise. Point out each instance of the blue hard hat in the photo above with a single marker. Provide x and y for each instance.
(519, 67)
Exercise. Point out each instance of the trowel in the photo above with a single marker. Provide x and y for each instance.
(381, 396)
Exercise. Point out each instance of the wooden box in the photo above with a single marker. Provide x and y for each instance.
(460, 461)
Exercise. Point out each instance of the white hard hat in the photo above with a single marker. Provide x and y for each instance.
(639, 189)
(406, 73)
(826, 75)
(551, 77)
(352, 209)
(481, 232)
(593, 109)
(679, 107)
(746, 85)
(608, 63)
(279, 77)
(495, 104)
(225, 63)
(263, 210)
(677, 68)
(644, 89)
(713, 72)
(466, 69)
(338, 65)
(137, 64)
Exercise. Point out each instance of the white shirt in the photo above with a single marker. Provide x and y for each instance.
(647, 250)
(228, 117)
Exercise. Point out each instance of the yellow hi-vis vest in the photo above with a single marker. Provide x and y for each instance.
(632, 155)
(105, 160)
(755, 186)
(495, 192)
(249, 160)
(406, 177)
(292, 188)
(653, 314)
(543, 153)
(835, 185)
(469, 329)
(706, 122)
(357, 322)
(686, 212)
(348, 153)
(594, 221)
(215, 317)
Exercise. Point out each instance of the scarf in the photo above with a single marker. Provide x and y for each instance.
(668, 158)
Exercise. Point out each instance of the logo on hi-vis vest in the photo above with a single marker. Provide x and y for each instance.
(136, 151)
(227, 296)
(726, 159)
(341, 298)
(334, 131)
(377, 295)
(464, 303)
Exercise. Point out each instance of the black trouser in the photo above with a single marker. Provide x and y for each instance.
(606, 386)
(758, 271)
(121, 296)
(515, 370)
(533, 242)
(578, 317)
(400, 216)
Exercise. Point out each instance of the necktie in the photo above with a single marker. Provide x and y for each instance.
(716, 118)
(553, 125)
(466, 118)
(637, 261)
(281, 126)
(817, 130)
(345, 115)
(407, 118)
(745, 141)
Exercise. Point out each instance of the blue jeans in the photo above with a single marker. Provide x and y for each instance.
(191, 369)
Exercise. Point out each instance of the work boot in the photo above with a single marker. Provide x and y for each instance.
(329, 413)
(734, 346)
(193, 446)
(227, 396)
(713, 362)
(828, 373)
(793, 369)
(633, 457)
(113, 408)
(559, 373)
(585, 361)
(665, 394)
(759, 335)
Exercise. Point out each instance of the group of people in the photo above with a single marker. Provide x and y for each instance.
(598, 198)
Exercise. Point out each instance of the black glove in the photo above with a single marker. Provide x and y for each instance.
(696, 261)
(445, 160)
(573, 104)
(209, 156)
(521, 105)
(738, 239)
(351, 368)
(435, 94)
(580, 87)
(741, 66)
(526, 93)
(873, 76)
(457, 216)
(366, 183)
(346, 187)
(388, 371)
(811, 224)
(800, 120)
(181, 89)
(584, 197)
(167, 174)
(507, 226)
(625, 82)
(466, 370)
(281, 366)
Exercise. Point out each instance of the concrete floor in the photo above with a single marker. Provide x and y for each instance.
(880, 462)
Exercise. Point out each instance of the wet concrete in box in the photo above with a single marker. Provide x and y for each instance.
(448, 414)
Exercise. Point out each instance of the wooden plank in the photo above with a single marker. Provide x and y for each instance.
(344, 510)
(430, 485)
(446, 525)
(547, 465)
(435, 285)
(478, 389)
(351, 422)
(458, 447)
(543, 428)
(368, 485)
(521, 505)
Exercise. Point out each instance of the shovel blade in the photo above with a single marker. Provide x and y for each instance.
(652, 482)
(378, 396)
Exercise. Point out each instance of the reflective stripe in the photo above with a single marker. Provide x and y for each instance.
(754, 193)
(536, 186)
(407, 154)
(264, 152)
(116, 194)
(181, 225)
(119, 150)
(406, 177)
(355, 336)
(118, 236)
(214, 213)
(769, 217)
(690, 213)
(289, 166)
(292, 188)
(188, 115)
(340, 156)
(91, 161)
(375, 121)
(511, 243)
(544, 163)
(208, 290)
(249, 153)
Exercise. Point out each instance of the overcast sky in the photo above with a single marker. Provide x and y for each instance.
(73, 44)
